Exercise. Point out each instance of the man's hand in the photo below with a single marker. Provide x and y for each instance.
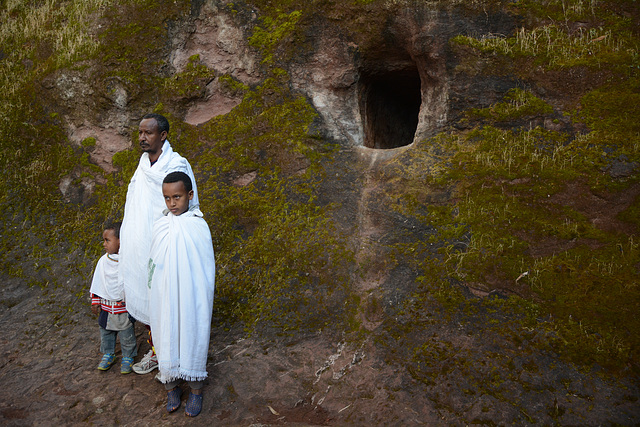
(95, 308)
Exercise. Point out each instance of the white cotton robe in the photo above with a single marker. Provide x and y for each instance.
(105, 279)
(181, 279)
(144, 205)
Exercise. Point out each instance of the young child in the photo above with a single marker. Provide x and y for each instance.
(181, 278)
(107, 301)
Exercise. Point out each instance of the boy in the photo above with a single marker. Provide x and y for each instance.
(181, 279)
(107, 301)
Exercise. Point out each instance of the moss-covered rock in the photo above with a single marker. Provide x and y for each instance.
(490, 260)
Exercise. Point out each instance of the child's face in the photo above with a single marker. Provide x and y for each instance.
(176, 197)
(110, 242)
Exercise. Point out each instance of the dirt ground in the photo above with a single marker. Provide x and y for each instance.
(49, 377)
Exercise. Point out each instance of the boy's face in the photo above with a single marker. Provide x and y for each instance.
(176, 197)
(110, 242)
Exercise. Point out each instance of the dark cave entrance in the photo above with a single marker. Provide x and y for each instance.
(389, 104)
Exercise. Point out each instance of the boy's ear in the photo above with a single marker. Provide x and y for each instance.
(191, 195)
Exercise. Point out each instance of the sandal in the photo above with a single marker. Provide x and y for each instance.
(173, 399)
(194, 405)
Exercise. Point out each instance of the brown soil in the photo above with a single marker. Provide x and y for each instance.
(49, 377)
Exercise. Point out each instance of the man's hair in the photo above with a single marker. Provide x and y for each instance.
(163, 123)
(115, 226)
(179, 176)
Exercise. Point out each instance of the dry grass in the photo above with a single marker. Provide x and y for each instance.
(559, 48)
(65, 26)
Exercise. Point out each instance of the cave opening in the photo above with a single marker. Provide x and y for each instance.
(390, 105)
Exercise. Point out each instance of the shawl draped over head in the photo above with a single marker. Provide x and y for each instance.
(144, 205)
(105, 279)
(181, 278)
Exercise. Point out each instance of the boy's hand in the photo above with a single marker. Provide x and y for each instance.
(95, 309)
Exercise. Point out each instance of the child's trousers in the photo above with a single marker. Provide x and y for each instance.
(127, 341)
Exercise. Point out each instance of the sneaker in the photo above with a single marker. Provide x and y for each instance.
(148, 363)
(125, 366)
(107, 361)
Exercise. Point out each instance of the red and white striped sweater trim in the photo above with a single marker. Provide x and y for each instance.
(113, 307)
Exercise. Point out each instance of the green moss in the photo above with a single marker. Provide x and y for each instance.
(268, 130)
(270, 33)
(232, 86)
(36, 154)
(494, 222)
(517, 103)
(283, 264)
(88, 142)
(632, 213)
(190, 83)
(606, 40)
(508, 224)
(138, 36)
(609, 112)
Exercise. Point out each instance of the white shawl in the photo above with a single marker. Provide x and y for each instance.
(144, 205)
(105, 279)
(181, 278)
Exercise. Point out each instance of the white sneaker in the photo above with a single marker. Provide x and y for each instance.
(148, 363)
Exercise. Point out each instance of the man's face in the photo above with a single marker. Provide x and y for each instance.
(176, 197)
(110, 242)
(150, 138)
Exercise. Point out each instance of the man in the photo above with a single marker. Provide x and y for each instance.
(143, 206)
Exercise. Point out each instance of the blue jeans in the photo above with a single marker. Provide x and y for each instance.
(127, 341)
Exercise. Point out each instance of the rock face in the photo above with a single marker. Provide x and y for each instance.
(400, 88)
(377, 95)
(382, 96)
(382, 91)
(221, 43)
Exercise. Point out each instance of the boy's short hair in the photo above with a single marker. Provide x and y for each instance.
(179, 176)
(115, 226)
